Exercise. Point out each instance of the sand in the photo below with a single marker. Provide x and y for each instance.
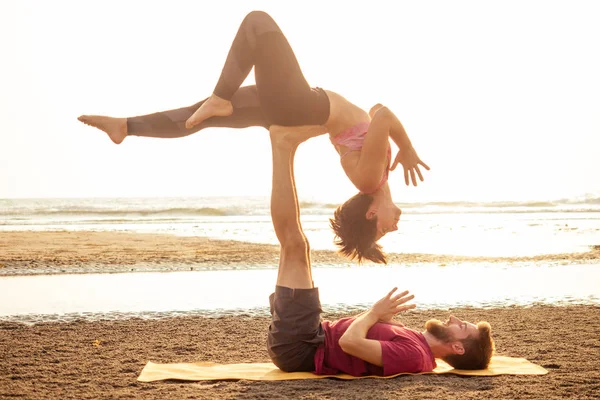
(102, 359)
(83, 252)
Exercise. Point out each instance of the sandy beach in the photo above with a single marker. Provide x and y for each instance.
(23, 253)
(139, 185)
(101, 359)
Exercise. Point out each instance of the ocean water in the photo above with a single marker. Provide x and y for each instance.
(456, 228)
(343, 289)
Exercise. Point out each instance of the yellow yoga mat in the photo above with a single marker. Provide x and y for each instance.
(207, 371)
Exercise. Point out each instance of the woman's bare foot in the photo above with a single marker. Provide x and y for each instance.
(214, 106)
(116, 128)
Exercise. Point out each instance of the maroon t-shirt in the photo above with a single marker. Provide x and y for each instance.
(402, 349)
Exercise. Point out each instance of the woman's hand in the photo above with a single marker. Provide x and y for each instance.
(407, 156)
(391, 304)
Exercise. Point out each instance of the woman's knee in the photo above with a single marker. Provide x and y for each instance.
(258, 15)
(261, 22)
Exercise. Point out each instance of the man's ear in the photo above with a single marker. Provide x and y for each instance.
(458, 348)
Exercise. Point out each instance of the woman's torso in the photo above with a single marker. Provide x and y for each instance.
(343, 114)
(347, 126)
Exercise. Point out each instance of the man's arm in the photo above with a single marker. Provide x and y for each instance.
(354, 341)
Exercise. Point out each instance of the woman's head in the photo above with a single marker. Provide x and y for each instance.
(359, 223)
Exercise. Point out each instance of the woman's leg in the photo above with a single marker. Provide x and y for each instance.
(171, 124)
(285, 96)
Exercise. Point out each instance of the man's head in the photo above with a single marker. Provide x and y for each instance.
(463, 345)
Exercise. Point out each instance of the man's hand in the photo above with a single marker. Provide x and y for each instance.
(407, 156)
(392, 304)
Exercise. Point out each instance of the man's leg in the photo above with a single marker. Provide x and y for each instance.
(294, 262)
(295, 331)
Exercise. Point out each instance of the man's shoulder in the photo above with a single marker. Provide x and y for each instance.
(399, 329)
(342, 322)
(408, 352)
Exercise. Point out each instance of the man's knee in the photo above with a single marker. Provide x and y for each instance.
(295, 246)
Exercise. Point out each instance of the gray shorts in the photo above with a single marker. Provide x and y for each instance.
(295, 331)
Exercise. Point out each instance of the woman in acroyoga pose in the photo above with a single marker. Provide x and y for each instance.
(283, 98)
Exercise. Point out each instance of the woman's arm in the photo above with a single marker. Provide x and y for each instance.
(407, 156)
(397, 132)
(372, 162)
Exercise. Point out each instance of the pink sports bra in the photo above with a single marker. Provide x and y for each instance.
(353, 138)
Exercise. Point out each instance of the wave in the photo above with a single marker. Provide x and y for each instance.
(592, 201)
(585, 201)
(216, 207)
(203, 211)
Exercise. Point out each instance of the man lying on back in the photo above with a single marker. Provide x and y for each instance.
(371, 343)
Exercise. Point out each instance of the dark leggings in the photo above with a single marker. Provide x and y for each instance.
(171, 124)
(281, 95)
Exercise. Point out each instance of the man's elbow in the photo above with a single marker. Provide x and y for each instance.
(347, 344)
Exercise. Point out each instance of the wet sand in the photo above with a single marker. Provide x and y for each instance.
(102, 358)
(80, 252)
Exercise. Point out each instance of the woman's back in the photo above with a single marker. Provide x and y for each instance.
(343, 114)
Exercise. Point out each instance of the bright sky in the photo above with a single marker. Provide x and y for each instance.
(500, 98)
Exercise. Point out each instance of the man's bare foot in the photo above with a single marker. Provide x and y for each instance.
(214, 106)
(116, 128)
(294, 135)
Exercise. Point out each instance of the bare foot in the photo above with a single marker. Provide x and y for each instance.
(294, 135)
(214, 106)
(116, 128)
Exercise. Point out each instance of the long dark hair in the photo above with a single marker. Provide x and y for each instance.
(354, 233)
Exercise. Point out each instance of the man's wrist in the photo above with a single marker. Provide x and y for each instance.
(373, 315)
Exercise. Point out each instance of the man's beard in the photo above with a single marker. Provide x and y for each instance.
(438, 330)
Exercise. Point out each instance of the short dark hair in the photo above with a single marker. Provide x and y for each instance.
(478, 350)
(354, 233)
